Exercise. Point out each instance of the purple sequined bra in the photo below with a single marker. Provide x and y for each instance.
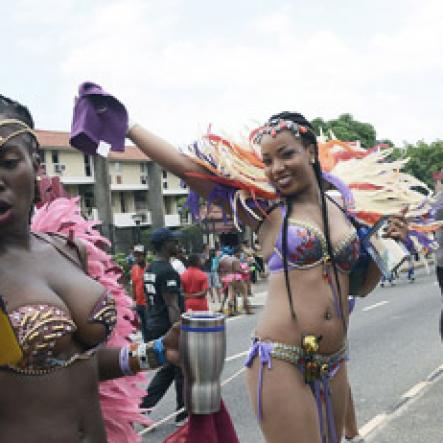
(41, 328)
(307, 248)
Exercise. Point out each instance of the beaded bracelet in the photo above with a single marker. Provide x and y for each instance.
(147, 355)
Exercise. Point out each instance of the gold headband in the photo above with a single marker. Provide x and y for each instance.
(24, 129)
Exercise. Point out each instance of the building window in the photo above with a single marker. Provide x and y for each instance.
(55, 158)
(140, 200)
(165, 174)
(88, 200)
(165, 185)
(87, 163)
(122, 202)
(143, 173)
(42, 155)
(117, 166)
(118, 179)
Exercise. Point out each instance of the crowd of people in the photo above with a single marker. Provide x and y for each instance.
(172, 282)
(62, 314)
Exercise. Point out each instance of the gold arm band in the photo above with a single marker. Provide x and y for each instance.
(24, 129)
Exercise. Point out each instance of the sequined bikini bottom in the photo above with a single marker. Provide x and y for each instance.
(317, 370)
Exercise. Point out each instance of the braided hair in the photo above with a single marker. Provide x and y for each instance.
(15, 110)
(308, 138)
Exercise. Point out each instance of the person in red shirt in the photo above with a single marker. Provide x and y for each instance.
(195, 285)
(137, 272)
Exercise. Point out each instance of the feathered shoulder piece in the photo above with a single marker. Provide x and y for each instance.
(379, 187)
(237, 171)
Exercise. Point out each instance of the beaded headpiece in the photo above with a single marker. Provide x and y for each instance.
(24, 128)
(273, 127)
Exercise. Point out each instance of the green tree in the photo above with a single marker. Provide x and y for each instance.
(346, 128)
(424, 159)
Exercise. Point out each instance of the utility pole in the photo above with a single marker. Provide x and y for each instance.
(155, 195)
(102, 191)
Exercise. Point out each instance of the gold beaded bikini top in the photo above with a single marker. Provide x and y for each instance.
(42, 330)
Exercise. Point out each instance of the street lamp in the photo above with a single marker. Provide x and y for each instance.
(137, 218)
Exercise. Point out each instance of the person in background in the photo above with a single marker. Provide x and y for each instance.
(439, 253)
(164, 300)
(195, 285)
(215, 282)
(130, 259)
(137, 273)
(411, 269)
(205, 260)
(248, 257)
(242, 281)
(178, 261)
(259, 260)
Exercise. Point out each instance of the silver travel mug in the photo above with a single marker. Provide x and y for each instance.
(203, 351)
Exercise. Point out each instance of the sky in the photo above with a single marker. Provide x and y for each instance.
(179, 65)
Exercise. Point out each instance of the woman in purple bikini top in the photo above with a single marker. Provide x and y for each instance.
(311, 248)
(307, 247)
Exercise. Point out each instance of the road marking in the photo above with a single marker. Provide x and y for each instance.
(236, 374)
(380, 303)
(235, 356)
(415, 389)
(372, 424)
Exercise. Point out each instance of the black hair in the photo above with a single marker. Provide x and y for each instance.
(15, 110)
(194, 260)
(309, 138)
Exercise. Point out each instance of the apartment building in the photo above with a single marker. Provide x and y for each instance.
(128, 180)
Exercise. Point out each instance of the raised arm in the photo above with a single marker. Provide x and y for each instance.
(169, 158)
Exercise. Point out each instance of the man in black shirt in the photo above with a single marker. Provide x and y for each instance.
(165, 304)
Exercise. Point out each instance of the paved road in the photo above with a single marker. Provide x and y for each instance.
(394, 344)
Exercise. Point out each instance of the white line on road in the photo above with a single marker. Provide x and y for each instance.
(415, 389)
(372, 424)
(236, 374)
(410, 395)
(380, 303)
(235, 356)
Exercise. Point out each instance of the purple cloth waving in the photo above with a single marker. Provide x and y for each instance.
(98, 117)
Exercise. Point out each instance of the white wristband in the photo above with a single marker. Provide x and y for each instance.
(131, 124)
(142, 357)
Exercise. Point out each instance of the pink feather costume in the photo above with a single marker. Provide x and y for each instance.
(120, 398)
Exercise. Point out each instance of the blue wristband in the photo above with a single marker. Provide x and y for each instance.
(159, 350)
